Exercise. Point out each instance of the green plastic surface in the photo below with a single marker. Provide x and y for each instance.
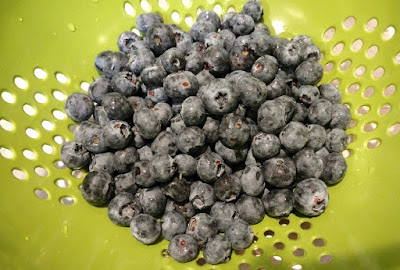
(361, 225)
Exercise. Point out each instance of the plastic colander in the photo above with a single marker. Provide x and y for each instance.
(47, 52)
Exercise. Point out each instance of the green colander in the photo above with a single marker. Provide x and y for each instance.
(47, 49)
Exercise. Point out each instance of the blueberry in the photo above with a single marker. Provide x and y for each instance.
(330, 92)
(109, 63)
(216, 60)
(243, 41)
(254, 9)
(125, 183)
(137, 103)
(145, 153)
(308, 164)
(165, 143)
(223, 213)
(317, 136)
(250, 209)
(145, 20)
(303, 40)
(240, 234)
(277, 87)
(125, 159)
(241, 24)
(231, 156)
(226, 19)
(241, 58)
(181, 85)
(153, 76)
(307, 94)
(201, 195)
(252, 180)
(140, 44)
(178, 189)
(191, 140)
(234, 130)
(261, 27)
(310, 52)
(219, 97)
(289, 54)
(177, 124)
(204, 77)
(173, 60)
(227, 188)
(125, 40)
(309, 72)
(141, 174)
(251, 160)
(278, 202)
(289, 104)
(153, 201)
(98, 88)
(193, 111)
(183, 40)
(253, 128)
(102, 162)
(294, 136)
(162, 167)
(322, 153)
(183, 248)
(79, 107)
(261, 43)
(117, 106)
(74, 155)
(123, 208)
(228, 38)
(271, 116)
(90, 136)
(300, 112)
(336, 140)
(276, 44)
(100, 116)
(172, 223)
(117, 134)
(210, 167)
(163, 112)
(252, 91)
(137, 140)
(187, 165)
(198, 47)
(209, 16)
(139, 59)
(341, 116)
(194, 62)
(200, 29)
(265, 68)
(176, 105)
(145, 228)
(265, 146)
(335, 168)
(217, 250)
(320, 112)
(186, 209)
(212, 39)
(311, 197)
(147, 123)
(279, 172)
(157, 95)
(202, 227)
(160, 38)
(211, 130)
(98, 188)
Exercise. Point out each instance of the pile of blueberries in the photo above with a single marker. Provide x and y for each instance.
(204, 132)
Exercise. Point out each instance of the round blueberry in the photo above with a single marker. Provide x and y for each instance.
(145, 20)
(307, 94)
(308, 164)
(109, 63)
(100, 116)
(177, 124)
(254, 9)
(178, 189)
(228, 38)
(241, 24)
(125, 183)
(145, 228)
(241, 58)
(335, 168)
(265, 146)
(271, 116)
(223, 213)
(311, 197)
(317, 136)
(261, 43)
(165, 143)
(90, 136)
(250, 209)
(173, 60)
(252, 180)
(117, 106)
(193, 111)
(240, 234)
(341, 116)
(153, 76)
(102, 162)
(98, 88)
(234, 130)
(123, 208)
(181, 85)
(74, 155)
(187, 165)
(217, 250)
(186, 209)
(183, 40)
(216, 60)
(98, 188)
(202, 227)
(191, 140)
(211, 130)
(153, 201)
(265, 68)
(200, 29)
(231, 156)
(226, 19)
(147, 123)
(309, 72)
(126, 39)
(201, 195)
(289, 54)
(227, 188)
(183, 248)
(172, 223)
(278, 202)
(117, 134)
(141, 174)
(336, 140)
(294, 136)
(252, 91)
(162, 167)
(279, 172)
(320, 112)
(194, 62)
(300, 112)
(219, 97)
(160, 38)
(79, 107)
(210, 167)
(330, 92)
(209, 16)
(139, 59)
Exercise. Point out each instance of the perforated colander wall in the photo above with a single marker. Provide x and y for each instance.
(47, 52)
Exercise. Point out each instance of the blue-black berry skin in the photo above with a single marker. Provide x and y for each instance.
(178, 189)
(139, 59)
(141, 174)
(193, 111)
(79, 107)
(125, 40)
(90, 136)
(224, 214)
(265, 68)
(98, 88)
(254, 9)
(219, 97)
(241, 24)
(183, 248)
(308, 164)
(202, 227)
(181, 85)
(341, 116)
(200, 29)
(252, 91)
(234, 130)
(145, 20)
(239, 234)
(317, 136)
(117, 134)
(125, 183)
(191, 140)
(187, 165)
(336, 140)
(217, 250)
(279, 172)
(311, 197)
(173, 60)
(265, 146)
(98, 188)
(201, 195)
(125, 83)
(102, 162)
(210, 167)
(252, 180)
(186, 209)
(117, 106)
(145, 228)
(309, 72)
(165, 143)
(153, 76)
(74, 155)
(123, 208)
(147, 123)
(335, 168)
(278, 202)
(153, 201)
(172, 223)
(162, 167)
(241, 58)
(160, 38)
(271, 117)
(227, 188)
(294, 136)
(231, 156)
(330, 92)
(320, 112)
(210, 16)
(250, 209)
(216, 60)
